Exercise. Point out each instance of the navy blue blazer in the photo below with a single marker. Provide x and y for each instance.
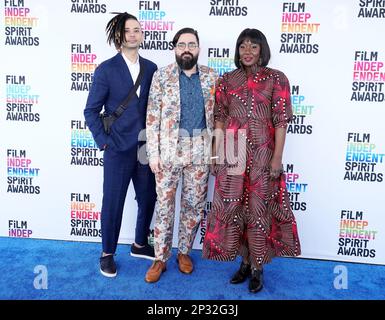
(111, 85)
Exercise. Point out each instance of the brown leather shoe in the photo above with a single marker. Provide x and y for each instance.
(157, 268)
(185, 263)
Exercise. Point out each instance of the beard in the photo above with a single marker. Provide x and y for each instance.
(186, 61)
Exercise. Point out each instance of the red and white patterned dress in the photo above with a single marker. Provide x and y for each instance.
(251, 214)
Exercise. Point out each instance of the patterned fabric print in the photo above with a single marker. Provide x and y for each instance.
(192, 105)
(251, 213)
(163, 111)
(193, 200)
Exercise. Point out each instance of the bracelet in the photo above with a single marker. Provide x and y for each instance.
(216, 157)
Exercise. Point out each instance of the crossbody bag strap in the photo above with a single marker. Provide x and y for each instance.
(123, 106)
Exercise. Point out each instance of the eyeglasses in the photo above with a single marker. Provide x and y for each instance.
(190, 45)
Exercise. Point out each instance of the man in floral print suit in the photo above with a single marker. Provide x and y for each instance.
(178, 129)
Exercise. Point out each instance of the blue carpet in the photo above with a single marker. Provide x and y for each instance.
(73, 274)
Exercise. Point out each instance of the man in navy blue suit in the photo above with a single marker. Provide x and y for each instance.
(112, 82)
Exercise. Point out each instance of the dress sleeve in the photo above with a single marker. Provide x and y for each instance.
(281, 103)
(221, 100)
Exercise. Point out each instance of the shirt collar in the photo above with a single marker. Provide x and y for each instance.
(129, 63)
(180, 71)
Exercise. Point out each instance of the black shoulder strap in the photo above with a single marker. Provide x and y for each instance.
(123, 106)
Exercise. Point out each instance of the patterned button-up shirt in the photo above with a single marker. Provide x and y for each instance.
(192, 104)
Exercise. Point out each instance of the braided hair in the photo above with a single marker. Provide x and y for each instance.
(115, 28)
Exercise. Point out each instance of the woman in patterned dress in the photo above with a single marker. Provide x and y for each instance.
(251, 214)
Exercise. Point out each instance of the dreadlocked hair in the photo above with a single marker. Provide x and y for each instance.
(115, 28)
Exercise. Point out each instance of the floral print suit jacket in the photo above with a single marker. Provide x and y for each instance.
(163, 111)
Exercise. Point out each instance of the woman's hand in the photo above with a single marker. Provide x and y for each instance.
(276, 168)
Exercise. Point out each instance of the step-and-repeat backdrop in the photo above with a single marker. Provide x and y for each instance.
(331, 50)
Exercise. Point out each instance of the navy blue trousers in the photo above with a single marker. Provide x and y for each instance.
(119, 169)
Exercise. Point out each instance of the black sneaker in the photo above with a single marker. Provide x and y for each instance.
(147, 252)
(108, 266)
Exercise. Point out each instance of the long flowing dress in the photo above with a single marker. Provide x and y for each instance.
(251, 214)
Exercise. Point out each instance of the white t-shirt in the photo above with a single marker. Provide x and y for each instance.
(134, 68)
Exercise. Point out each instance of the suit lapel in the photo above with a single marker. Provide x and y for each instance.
(174, 77)
(142, 81)
(174, 80)
(204, 78)
(170, 79)
(124, 71)
(206, 91)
